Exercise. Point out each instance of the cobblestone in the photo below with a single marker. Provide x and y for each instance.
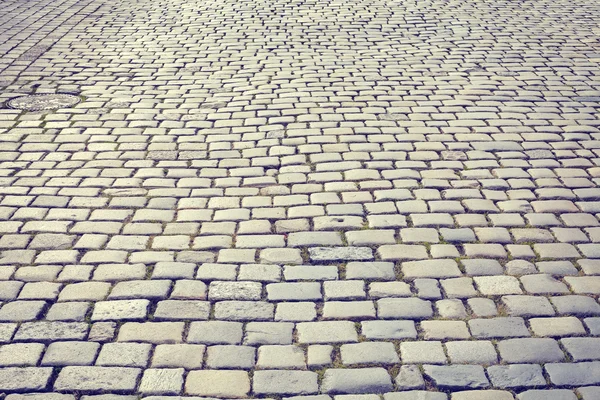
(93, 379)
(307, 200)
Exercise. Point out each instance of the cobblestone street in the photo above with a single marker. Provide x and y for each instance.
(336, 199)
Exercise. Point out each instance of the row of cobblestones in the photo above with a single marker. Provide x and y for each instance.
(301, 200)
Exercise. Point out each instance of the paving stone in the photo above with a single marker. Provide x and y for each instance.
(430, 269)
(584, 285)
(527, 306)
(482, 267)
(230, 357)
(285, 382)
(280, 256)
(43, 331)
(552, 394)
(234, 291)
(244, 310)
(498, 327)
(152, 332)
(530, 350)
(260, 273)
(575, 305)
(147, 289)
(124, 355)
(281, 357)
(388, 330)
(188, 356)
(215, 332)
(482, 307)
(268, 333)
(39, 291)
(120, 310)
(84, 291)
(362, 380)
(520, 267)
(162, 381)
(340, 253)
(416, 394)
(344, 290)
(458, 287)
(394, 252)
(389, 289)
(457, 376)
(209, 271)
(15, 379)
(21, 354)
(429, 352)
(172, 310)
(516, 376)
(582, 349)
(93, 379)
(70, 353)
(370, 270)
(409, 308)
(574, 374)
(588, 392)
(119, 272)
(559, 326)
(294, 291)
(489, 394)
(310, 272)
(41, 396)
(497, 285)
(451, 309)
(180, 213)
(409, 377)
(228, 384)
(472, 352)
(22, 310)
(445, 330)
(326, 332)
(428, 288)
(369, 353)
(296, 311)
(319, 355)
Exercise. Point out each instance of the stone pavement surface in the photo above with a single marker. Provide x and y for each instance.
(281, 198)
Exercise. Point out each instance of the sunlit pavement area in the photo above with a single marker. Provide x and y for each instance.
(347, 200)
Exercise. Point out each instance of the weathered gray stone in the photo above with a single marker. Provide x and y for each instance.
(498, 327)
(24, 379)
(369, 353)
(227, 384)
(162, 381)
(552, 394)
(326, 332)
(215, 332)
(457, 376)
(574, 374)
(120, 310)
(258, 333)
(516, 376)
(409, 377)
(285, 382)
(409, 308)
(244, 310)
(43, 331)
(388, 330)
(70, 353)
(530, 350)
(362, 380)
(94, 379)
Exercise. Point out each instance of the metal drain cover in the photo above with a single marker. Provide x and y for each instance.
(39, 102)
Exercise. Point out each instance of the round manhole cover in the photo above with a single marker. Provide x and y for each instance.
(39, 102)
